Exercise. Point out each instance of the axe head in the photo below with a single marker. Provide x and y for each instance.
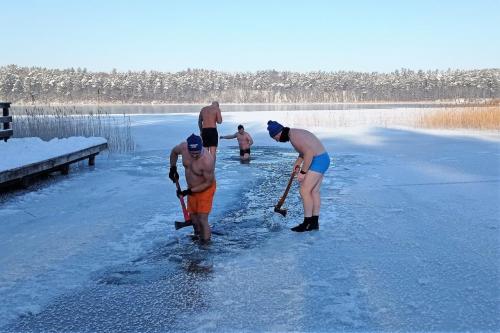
(278, 209)
(179, 225)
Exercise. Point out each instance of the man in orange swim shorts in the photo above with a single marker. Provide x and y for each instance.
(200, 177)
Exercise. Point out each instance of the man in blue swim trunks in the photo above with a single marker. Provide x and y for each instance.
(313, 161)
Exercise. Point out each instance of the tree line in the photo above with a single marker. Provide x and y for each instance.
(28, 85)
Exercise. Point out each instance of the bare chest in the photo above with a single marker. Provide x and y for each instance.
(193, 167)
(241, 138)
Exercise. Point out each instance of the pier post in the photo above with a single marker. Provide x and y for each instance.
(5, 120)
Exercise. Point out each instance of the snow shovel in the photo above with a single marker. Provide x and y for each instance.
(280, 203)
(187, 219)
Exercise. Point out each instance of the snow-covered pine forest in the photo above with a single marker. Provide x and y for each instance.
(41, 85)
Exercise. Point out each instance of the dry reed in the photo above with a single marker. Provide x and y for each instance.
(478, 117)
(62, 122)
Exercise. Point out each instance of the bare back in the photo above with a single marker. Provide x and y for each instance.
(305, 142)
(210, 116)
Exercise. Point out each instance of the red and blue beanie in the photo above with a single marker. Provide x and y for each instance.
(194, 143)
(273, 127)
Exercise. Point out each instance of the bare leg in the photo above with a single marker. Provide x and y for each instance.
(205, 232)
(213, 151)
(316, 197)
(245, 159)
(307, 201)
(306, 191)
(195, 218)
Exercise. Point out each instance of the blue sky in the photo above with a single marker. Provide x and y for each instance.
(251, 35)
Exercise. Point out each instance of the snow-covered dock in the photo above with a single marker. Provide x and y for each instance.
(24, 159)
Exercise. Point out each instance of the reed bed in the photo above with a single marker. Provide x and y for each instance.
(477, 117)
(62, 122)
(485, 117)
(352, 118)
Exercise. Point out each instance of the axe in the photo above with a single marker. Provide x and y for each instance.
(280, 203)
(187, 219)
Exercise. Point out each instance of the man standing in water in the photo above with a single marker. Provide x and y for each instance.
(313, 161)
(244, 141)
(200, 178)
(209, 117)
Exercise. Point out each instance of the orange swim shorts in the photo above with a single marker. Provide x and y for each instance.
(201, 202)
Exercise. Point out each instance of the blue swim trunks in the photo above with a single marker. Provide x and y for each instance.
(320, 163)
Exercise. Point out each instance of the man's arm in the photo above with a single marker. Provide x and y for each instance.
(219, 116)
(308, 156)
(200, 121)
(298, 162)
(232, 136)
(250, 140)
(174, 155)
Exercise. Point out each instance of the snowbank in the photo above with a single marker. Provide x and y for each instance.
(23, 151)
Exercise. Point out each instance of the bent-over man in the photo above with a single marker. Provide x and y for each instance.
(313, 161)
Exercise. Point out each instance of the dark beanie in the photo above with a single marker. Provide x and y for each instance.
(273, 127)
(194, 143)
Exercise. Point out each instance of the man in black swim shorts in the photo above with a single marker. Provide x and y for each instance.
(209, 117)
(210, 137)
(244, 141)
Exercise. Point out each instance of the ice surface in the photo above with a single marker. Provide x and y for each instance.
(408, 240)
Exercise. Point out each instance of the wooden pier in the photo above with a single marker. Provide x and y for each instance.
(5, 120)
(24, 174)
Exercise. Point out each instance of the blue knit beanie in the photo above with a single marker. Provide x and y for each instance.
(273, 127)
(194, 143)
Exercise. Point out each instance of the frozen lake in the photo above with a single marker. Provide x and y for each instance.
(190, 108)
(408, 240)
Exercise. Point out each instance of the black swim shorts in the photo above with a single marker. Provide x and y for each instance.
(210, 137)
(244, 151)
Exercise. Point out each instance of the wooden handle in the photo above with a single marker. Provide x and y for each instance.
(183, 205)
(288, 186)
